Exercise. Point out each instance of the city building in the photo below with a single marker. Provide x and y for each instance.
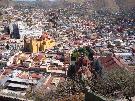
(38, 45)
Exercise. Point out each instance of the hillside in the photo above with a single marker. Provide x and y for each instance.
(125, 4)
(112, 5)
(3, 2)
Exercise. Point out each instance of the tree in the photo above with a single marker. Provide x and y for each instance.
(90, 53)
(97, 66)
(71, 71)
(78, 52)
(7, 47)
(74, 55)
(1, 13)
(116, 83)
(69, 90)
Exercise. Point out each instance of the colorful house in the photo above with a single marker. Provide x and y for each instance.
(38, 45)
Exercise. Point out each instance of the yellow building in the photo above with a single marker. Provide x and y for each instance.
(37, 45)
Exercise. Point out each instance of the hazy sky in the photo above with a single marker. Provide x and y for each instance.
(25, 0)
(31, 0)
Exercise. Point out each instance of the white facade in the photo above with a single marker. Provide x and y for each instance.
(24, 30)
(11, 59)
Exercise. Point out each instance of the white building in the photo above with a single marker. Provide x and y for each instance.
(24, 30)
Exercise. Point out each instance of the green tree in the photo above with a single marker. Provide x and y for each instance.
(7, 47)
(76, 53)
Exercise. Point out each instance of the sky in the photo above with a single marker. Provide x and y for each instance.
(31, 0)
(25, 0)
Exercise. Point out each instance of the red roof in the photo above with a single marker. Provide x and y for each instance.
(23, 76)
(44, 35)
(110, 62)
(34, 75)
(7, 71)
(39, 57)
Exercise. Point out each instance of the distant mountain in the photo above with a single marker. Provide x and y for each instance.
(24, 0)
(3, 2)
(125, 4)
(112, 5)
(6, 3)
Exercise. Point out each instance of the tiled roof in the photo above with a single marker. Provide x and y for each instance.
(38, 57)
(7, 71)
(110, 62)
(34, 75)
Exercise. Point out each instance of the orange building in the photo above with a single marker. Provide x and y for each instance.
(36, 45)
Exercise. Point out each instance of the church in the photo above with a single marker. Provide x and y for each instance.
(35, 45)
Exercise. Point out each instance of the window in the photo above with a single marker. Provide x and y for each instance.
(44, 43)
(51, 41)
